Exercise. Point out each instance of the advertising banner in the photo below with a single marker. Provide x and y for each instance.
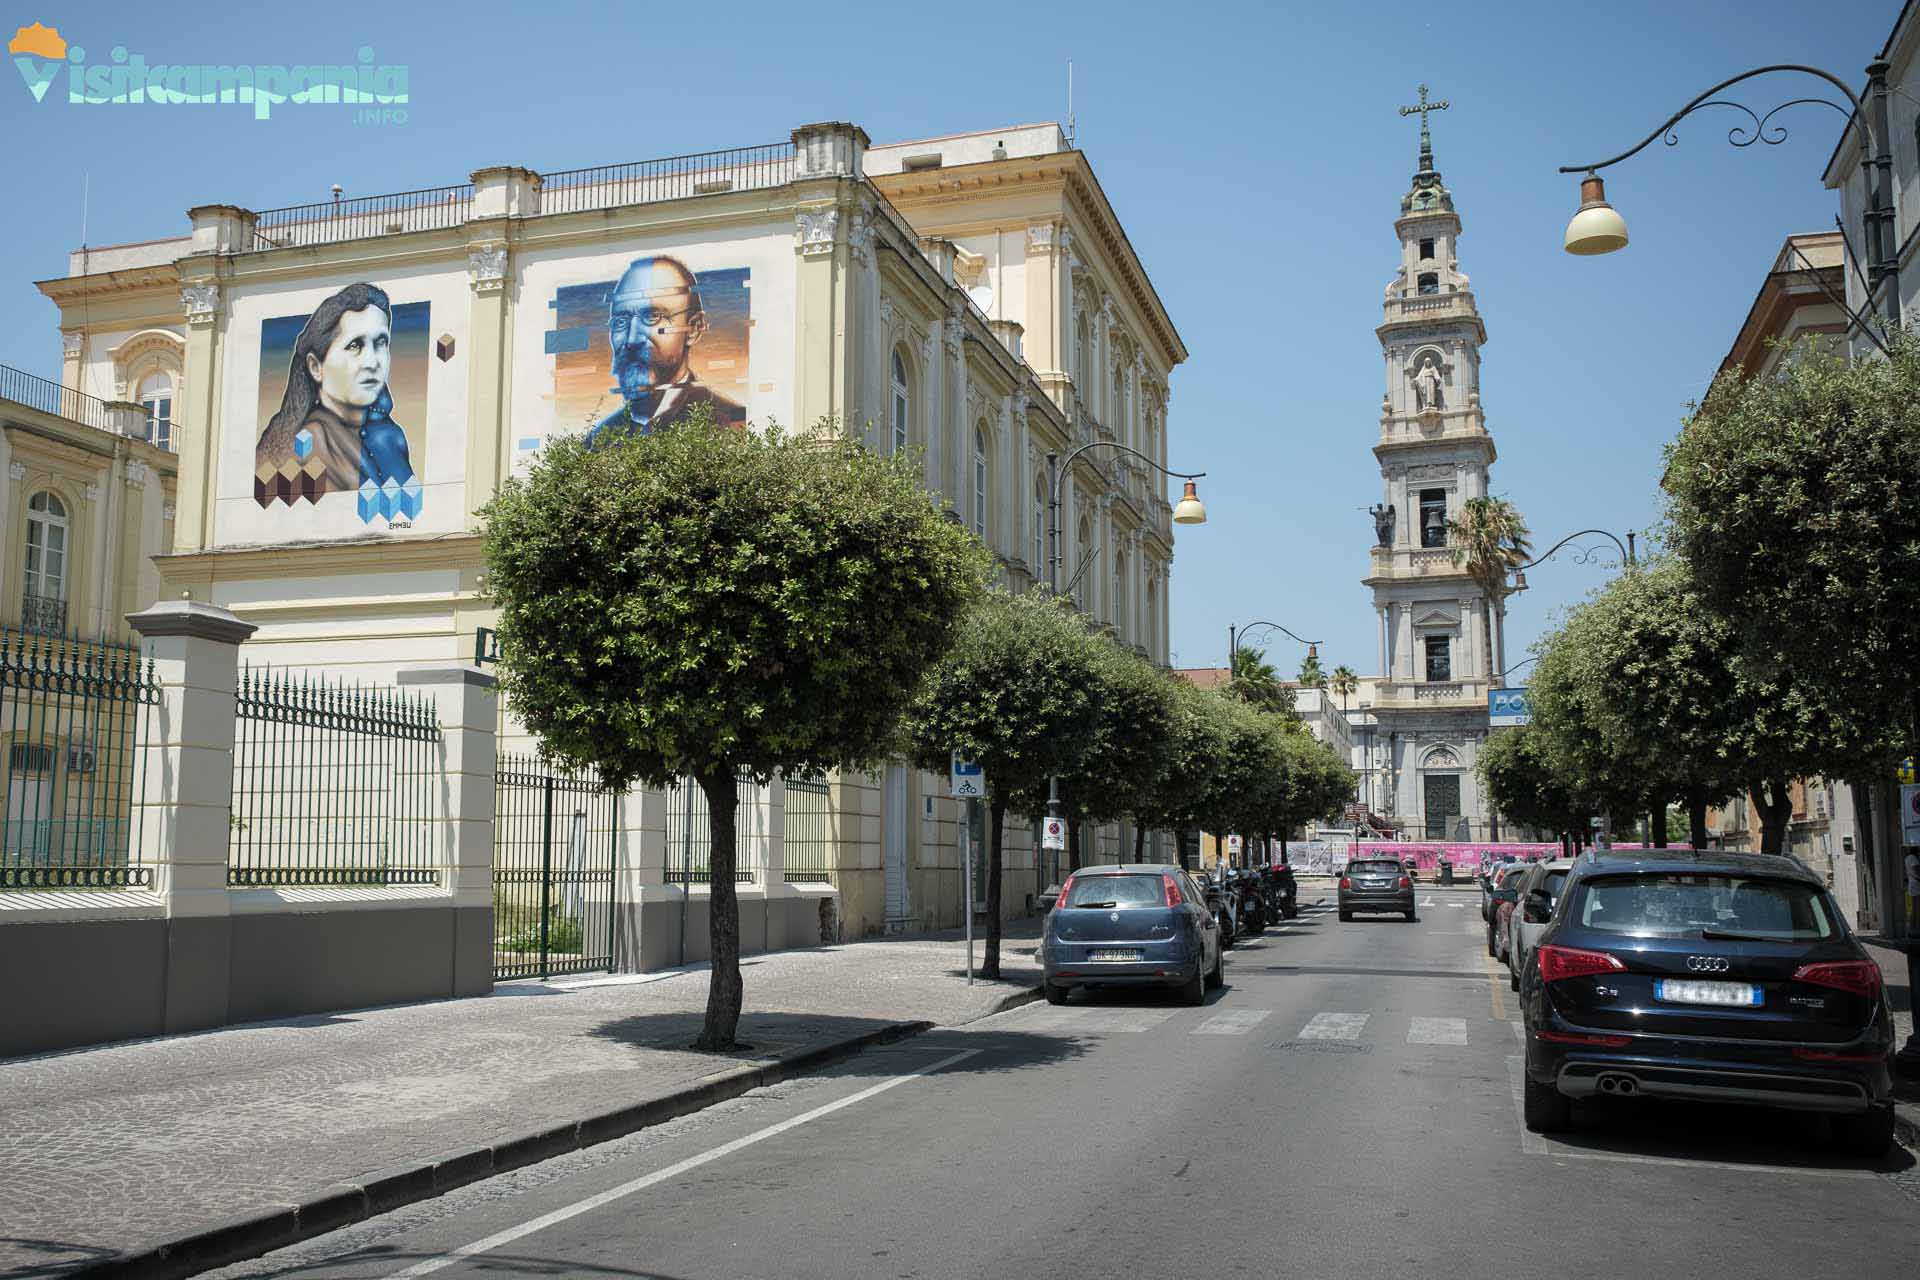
(1507, 708)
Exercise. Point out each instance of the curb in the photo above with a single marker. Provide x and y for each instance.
(1906, 1124)
(343, 1204)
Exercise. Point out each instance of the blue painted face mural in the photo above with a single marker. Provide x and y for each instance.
(655, 319)
(334, 431)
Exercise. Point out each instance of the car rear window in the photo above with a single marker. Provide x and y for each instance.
(1510, 875)
(1375, 866)
(1117, 891)
(1554, 883)
(1697, 904)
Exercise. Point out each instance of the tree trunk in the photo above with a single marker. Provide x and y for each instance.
(997, 815)
(1073, 844)
(1139, 841)
(1659, 820)
(724, 992)
(1697, 818)
(1864, 855)
(1180, 848)
(1773, 801)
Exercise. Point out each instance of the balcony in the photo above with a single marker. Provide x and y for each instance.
(44, 615)
(1428, 307)
(1415, 562)
(113, 417)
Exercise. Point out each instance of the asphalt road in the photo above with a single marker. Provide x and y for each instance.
(1345, 1107)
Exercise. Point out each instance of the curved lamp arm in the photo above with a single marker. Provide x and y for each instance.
(1311, 644)
(1626, 550)
(1859, 112)
(1058, 467)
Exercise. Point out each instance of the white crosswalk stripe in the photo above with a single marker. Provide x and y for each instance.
(1232, 1022)
(1334, 1026)
(1096, 1021)
(1437, 1031)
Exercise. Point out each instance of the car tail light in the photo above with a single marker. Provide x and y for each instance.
(1065, 889)
(1861, 977)
(1557, 963)
(1828, 1055)
(1405, 883)
(1173, 891)
(1572, 1037)
(1346, 882)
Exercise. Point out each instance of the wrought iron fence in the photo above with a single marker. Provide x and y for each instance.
(690, 838)
(332, 783)
(328, 221)
(646, 181)
(809, 831)
(43, 615)
(75, 714)
(555, 831)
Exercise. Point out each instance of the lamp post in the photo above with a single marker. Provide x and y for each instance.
(1189, 510)
(1626, 558)
(1237, 634)
(1597, 226)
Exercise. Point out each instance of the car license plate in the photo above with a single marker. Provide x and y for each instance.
(1115, 955)
(1685, 991)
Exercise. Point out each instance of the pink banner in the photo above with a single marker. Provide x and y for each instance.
(1466, 858)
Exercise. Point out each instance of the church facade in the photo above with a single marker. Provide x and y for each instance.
(1423, 718)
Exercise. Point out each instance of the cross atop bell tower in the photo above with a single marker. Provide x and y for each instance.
(1428, 191)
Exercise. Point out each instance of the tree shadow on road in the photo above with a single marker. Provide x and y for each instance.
(378, 1259)
(1760, 1136)
(48, 1257)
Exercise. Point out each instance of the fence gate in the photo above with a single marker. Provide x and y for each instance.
(554, 891)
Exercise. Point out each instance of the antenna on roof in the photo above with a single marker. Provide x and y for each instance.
(1070, 128)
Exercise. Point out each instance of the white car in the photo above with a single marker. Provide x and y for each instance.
(1525, 927)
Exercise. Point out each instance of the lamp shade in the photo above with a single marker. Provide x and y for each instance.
(1597, 227)
(1189, 509)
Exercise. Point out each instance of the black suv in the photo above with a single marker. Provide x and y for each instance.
(1713, 976)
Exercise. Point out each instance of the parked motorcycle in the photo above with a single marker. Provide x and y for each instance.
(1253, 902)
(1220, 901)
(1285, 891)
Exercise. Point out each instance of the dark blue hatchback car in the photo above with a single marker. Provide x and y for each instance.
(1714, 976)
(1135, 925)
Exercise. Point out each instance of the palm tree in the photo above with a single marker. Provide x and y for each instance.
(1312, 674)
(1344, 685)
(1489, 541)
(1255, 681)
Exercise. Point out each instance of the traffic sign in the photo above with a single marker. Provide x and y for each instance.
(1905, 771)
(967, 781)
(1910, 814)
(1053, 833)
(1235, 844)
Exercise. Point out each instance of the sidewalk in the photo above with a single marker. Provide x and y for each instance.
(1893, 964)
(281, 1129)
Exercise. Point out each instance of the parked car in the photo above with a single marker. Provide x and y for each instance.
(1545, 879)
(1375, 885)
(1505, 893)
(1489, 872)
(1134, 925)
(1712, 976)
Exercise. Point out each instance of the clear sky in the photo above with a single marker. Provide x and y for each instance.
(1253, 152)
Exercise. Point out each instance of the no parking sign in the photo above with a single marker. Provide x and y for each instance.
(1053, 833)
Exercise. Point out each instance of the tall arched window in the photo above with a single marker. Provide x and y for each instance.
(156, 397)
(1083, 552)
(902, 403)
(1083, 349)
(44, 607)
(1039, 526)
(1120, 619)
(980, 480)
(1153, 617)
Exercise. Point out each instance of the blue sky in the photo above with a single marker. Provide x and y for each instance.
(1252, 150)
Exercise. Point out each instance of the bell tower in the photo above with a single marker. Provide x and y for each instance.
(1439, 644)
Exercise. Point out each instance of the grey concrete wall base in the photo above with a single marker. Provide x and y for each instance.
(75, 984)
(472, 951)
(331, 1208)
(199, 973)
(288, 963)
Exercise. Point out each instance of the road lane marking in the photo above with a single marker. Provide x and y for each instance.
(1333, 1026)
(588, 1205)
(1232, 1022)
(1497, 987)
(1438, 1031)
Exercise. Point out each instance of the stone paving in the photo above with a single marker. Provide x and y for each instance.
(128, 1144)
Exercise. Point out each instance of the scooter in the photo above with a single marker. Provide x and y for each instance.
(1285, 891)
(1253, 903)
(1220, 902)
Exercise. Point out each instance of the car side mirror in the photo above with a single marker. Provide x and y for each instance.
(1539, 908)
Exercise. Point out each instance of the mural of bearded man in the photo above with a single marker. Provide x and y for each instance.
(655, 319)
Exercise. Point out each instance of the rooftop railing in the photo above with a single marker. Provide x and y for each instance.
(24, 388)
(609, 186)
(429, 209)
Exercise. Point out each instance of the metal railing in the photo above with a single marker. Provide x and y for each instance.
(328, 221)
(554, 835)
(24, 388)
(809, 832)
(647, 181)
(43, 615)
(690, 838)
(332, 783)
(74, 713)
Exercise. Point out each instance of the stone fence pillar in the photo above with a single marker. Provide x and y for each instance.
(183, 818)
(462, 840)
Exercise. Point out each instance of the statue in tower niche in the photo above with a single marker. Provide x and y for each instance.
(1426, 385)
(1383, 518)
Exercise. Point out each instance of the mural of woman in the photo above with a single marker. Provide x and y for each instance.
(333, 432)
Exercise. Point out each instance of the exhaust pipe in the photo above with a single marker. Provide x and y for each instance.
(1618, 1086)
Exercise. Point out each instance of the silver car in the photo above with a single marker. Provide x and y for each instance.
(1533, 908)
(1135, 925)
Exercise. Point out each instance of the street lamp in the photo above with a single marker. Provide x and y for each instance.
(1626, 554)
(1237, 634)
(1598, 228)
(1189, 510)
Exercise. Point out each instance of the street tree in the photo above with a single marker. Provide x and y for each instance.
(1523, 785)
(1180, 794)
(711, 602)
(1017, 693)
(1489, 540)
